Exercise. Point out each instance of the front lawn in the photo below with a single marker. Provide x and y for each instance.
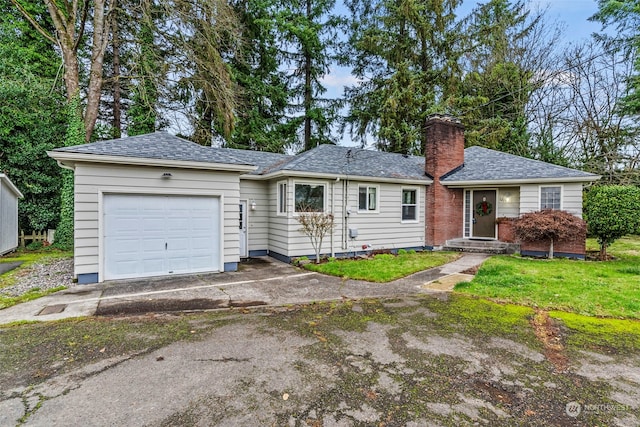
(384, 267)
(594, 288)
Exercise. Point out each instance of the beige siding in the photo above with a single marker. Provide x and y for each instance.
(508, 202)
(571, 197)
(382, 229)
(258, 219)
(93, 179)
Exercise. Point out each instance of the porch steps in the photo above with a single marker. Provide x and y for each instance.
(480, 246)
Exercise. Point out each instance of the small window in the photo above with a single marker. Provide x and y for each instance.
(367, 199)
(309, 198)
(409, 205)
(282, 197)
(550, 197)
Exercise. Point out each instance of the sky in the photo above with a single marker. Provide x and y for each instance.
(572, 15)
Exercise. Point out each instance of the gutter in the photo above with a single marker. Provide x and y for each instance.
(68, 160)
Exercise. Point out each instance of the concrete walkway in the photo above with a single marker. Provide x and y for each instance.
(259, 282)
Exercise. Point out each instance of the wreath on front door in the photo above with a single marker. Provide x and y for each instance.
(484, 208)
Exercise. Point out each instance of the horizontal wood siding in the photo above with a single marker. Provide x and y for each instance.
(571, 197)
(508, 208)
(529, 198)
(258, 219)
(90, 179)
(382, 229)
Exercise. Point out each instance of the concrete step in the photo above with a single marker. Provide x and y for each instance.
(480, 246)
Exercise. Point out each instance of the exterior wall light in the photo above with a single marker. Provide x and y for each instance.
(253, 205)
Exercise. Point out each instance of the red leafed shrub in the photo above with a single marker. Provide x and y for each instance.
(549, 225)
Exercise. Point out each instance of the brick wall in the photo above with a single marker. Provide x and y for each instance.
(572, 248)
(444, 152)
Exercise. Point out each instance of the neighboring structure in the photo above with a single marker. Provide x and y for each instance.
(9, 196)
(156, 204)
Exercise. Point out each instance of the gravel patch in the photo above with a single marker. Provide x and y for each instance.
(43, 277)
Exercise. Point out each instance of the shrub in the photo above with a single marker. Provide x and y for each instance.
(611, 212)
(551, 225)
(315, 225)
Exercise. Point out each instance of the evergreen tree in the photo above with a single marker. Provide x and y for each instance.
(625, 16)
(31, 121)
(497, 78)
(405, 56)
(308, 31)
(74, 136)
(142, 115)
(262, 122)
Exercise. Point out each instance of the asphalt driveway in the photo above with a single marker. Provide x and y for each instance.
(411, 361)
(261, 281)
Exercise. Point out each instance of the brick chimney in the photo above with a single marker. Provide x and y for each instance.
(444, 152)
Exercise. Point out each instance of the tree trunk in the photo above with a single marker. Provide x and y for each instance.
(117, 107)
(99, 45)
(551, 250)
(603, 252)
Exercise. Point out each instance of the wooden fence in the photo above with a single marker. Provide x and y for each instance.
(36, 236)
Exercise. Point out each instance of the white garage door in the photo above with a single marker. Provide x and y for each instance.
(150, 235)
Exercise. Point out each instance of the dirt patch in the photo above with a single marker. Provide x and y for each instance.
(548, 332)
(472, 271)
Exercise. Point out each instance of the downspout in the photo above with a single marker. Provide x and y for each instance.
(333, 190)
(345, 215)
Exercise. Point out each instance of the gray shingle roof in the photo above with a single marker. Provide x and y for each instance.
(336, 160)
(157, 145)
(262, 159)
(483, 164)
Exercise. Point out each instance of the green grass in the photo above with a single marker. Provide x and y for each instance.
(591, 332)
(28, 258)
(384, 267)
(593, 288)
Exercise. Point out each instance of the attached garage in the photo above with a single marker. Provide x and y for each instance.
(154, 235)
(153, 205)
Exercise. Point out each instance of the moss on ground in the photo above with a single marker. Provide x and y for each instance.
(32, 353)
(613, 335)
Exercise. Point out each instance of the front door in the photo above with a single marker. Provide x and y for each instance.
(484, 214)
(242, 229)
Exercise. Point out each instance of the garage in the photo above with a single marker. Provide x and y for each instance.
(156, 235)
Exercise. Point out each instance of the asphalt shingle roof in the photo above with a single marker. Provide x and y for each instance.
(483, 164)
(337, 160)
(157, 145)
(262, 159)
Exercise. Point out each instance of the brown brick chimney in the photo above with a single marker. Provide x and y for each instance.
(444, 152)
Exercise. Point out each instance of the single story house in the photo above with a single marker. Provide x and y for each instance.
(156, 204)
(9, 196)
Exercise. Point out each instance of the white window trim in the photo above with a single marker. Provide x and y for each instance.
(324, 201)
(540, 187)
(410, 221)
(278, 198)
(369, 211)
